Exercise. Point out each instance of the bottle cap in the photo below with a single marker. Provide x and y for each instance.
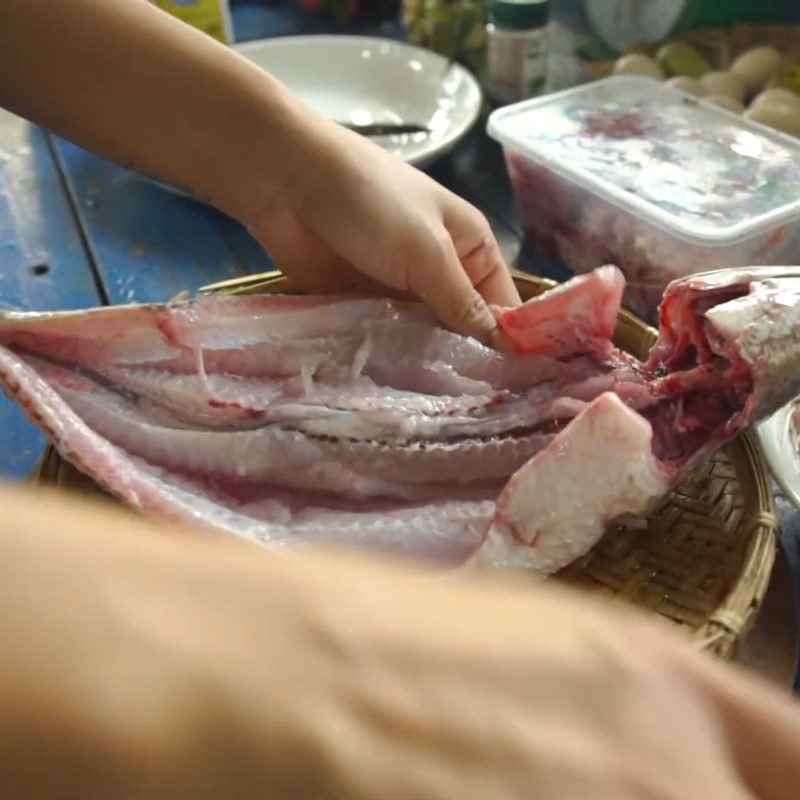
(519, 15)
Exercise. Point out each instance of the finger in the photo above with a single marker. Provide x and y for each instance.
(761, 724)
(480, 254)
(502, 342)
(435, 274)
(764, 731)
(490, 276)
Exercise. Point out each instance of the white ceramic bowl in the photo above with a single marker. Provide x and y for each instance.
(362, 80)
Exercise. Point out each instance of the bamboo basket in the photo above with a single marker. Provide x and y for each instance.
(704, 559)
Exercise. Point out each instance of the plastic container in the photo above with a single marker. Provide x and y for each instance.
(631, 172)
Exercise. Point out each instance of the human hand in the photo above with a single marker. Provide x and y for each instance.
(486, 689)
(334, 210)
(350, 216)
(165, 664)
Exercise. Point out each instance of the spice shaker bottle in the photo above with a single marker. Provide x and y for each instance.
(516, 59)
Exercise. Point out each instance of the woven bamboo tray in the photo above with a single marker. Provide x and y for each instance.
(705, 558)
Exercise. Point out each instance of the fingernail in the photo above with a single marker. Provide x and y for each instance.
(500, 341)
(480, 319)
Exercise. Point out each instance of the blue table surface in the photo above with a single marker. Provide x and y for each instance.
(77, 231)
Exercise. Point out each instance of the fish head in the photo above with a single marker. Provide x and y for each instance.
(748, 315)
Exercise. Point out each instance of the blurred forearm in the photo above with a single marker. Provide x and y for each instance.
(140, 660)
(139, 665)
(149, 92)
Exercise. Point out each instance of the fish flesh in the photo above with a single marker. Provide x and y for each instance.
(293, 421)
(727, 355)
(583, 230)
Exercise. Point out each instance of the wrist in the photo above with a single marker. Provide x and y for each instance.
(306, 153)
(258, 145)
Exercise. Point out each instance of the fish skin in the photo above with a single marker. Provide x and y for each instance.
(415, 472)
(763, 327)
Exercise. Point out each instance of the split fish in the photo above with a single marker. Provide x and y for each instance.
(293, 421)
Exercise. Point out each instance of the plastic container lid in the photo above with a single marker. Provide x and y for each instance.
(685, 165)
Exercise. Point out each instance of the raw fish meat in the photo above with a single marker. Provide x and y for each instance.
(582, 229)
(578, 316)
(538, 514)
(293, 421)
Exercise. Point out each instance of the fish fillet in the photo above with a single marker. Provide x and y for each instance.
(297, 420)
(548, 514)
